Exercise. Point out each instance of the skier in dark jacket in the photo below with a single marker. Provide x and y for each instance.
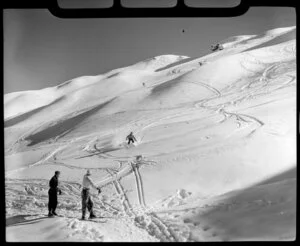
(130, 138)
(54, 189)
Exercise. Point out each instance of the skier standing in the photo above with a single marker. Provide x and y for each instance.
(87, 201)
(54, 189)
(130, 138)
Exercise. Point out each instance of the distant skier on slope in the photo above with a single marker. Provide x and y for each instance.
(130, 138)
(54, 189)
(87, 201)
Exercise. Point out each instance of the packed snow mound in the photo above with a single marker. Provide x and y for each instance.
(95, 88)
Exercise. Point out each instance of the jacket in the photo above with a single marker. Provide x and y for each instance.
(131, 136)
(87, 182)
(53, 183)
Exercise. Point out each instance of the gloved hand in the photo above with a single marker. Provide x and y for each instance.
(59, 192)
(99, 190)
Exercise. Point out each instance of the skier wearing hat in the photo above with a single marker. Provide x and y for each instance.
(87, 202)
(54, 189)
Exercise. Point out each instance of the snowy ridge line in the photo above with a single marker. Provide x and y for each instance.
(237, 48)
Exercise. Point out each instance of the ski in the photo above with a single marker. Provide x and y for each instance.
(96, 220)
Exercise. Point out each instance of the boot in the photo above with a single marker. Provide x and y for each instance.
(50, 214)
(92, 216)
(54, 213)
(83, 216)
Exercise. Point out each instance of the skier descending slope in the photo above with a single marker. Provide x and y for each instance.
(87, 201)
(53, 194)
(130, 138)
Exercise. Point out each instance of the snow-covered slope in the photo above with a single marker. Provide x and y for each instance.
(205, 126)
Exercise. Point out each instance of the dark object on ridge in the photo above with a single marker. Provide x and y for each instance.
(215, 47)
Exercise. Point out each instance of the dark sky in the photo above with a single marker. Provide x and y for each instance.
(41, 50)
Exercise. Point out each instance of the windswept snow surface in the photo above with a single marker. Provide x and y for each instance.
(217, 135)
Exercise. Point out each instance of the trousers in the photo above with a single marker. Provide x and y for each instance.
(52, 204)
(87, 202)
(130, 140)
